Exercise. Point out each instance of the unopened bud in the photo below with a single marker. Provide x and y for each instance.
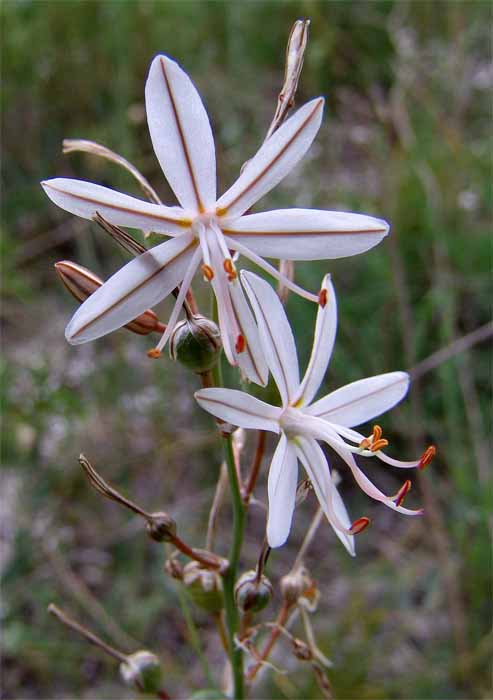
(296, 585)
(252, 595)
(196, 343)
(174, 568)
(143, 671)
(301, 650)
(162, 527)
(81, 283)
(204, 587)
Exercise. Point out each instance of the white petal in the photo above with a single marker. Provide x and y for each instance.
(181, 134)
(275, 335)
(317, 468)
(281, 487)
(306, 234)
(363, 400)
(239, 408)
(323, 344)
(85, 199)
(251, 361)
(273, 161)
(141, 284)
(242, 250)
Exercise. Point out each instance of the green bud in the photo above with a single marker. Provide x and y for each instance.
(252, 595)
(162, 527)
(196, 344)
(143, 671)
(204, 587)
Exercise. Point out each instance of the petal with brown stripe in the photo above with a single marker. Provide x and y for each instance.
(86, 199)
(140, 284)
(181, 134)
(274, 160)
(306, 234)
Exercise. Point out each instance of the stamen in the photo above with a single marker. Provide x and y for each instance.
(208, 272)
(359, 525)
(154, 353)
(402, 492)
(378, 444)
(377, 433)
(230, 269)
(375, 442)
(427, 456)
(240, 343)
(221, 211)
(322, 298)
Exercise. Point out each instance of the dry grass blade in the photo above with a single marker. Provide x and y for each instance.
(96, 149)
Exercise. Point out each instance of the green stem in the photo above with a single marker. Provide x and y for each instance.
(229, 578)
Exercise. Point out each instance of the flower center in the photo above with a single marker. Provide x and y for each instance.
(291, 421)
(203, 222)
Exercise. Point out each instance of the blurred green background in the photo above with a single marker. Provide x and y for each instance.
(405, 136)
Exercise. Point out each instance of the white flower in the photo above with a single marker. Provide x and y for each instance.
(301, 423)
(204, 230)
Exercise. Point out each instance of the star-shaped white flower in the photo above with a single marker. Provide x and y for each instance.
(302, 423)
(204, 230)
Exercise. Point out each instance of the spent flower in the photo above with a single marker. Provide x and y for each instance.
(301, 423)
(204, 231)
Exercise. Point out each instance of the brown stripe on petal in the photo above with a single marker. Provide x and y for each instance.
(185, 223)
(236, 234)
(235, 408)
(183, 142)
(273, 344)
(135, 289)
(361, 398)
(279, 155)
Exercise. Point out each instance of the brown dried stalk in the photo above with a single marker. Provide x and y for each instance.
(96, 149)
(159, 523)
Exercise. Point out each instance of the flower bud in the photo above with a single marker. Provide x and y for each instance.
(299, 587)
(196, 343)
(173, 568)
(81, 283)
(204, 587)
(252, 595)
(143, 671)
(301, 650)
(162, 527)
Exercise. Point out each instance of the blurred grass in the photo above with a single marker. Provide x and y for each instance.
(406, 136)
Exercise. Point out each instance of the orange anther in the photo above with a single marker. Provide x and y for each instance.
(154, 353)
(322, 298)
(221, 211)
(359, 525)
(378, 444)
(427, 456)
(230, 269)
(208, 272)
(240, 343)
(377, 433)
(365, 444)
(402, 492)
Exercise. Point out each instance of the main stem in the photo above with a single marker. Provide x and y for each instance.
(231, 575)
(229, 578)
